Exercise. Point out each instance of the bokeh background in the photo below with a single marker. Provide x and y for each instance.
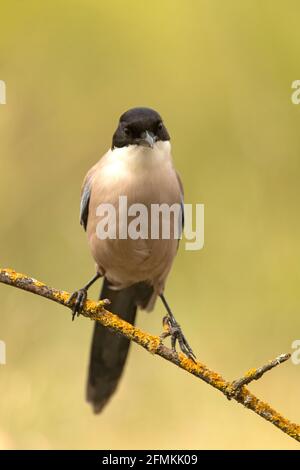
(220, 73)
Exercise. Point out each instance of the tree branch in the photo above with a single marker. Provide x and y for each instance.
(235, 390)
(255, 374)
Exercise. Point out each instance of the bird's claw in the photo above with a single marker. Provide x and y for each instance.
(173, 329)
(76, 301)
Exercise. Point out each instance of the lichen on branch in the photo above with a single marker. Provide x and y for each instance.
(97, 311)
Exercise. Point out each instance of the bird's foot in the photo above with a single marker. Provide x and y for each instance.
(173, 329)
(76, 301)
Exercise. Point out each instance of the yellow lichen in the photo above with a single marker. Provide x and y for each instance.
(96, 311)
(12, 274)
(38, 283)
(250, 373)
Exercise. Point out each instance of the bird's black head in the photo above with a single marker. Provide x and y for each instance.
(140, 126)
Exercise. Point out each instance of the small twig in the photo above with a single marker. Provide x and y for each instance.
(255, 374)
(96, 311)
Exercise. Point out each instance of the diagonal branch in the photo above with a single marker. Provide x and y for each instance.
(233, 390)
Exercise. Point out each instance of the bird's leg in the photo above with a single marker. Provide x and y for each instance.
(79, 297)
(172, 328)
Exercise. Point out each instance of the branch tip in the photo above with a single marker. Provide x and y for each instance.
(233, 390)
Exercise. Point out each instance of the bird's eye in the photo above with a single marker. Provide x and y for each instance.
(160, 126)
(126, 131)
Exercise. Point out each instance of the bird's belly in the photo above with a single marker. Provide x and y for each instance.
(125, 261)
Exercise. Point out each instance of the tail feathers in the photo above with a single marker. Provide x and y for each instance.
(109, 351)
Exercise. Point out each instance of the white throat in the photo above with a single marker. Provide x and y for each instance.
(138, 158)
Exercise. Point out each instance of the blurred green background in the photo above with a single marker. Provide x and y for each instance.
(220, 73)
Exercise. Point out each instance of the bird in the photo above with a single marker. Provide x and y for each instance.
(139, 166)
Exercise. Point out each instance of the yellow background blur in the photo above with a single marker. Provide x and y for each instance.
(220, 73)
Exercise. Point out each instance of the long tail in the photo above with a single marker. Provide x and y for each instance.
(109, 351)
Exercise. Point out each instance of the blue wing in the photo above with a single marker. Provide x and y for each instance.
(84, 204)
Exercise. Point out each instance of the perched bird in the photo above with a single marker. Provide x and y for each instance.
(139, 166)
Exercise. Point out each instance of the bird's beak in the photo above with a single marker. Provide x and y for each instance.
(147, 139)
